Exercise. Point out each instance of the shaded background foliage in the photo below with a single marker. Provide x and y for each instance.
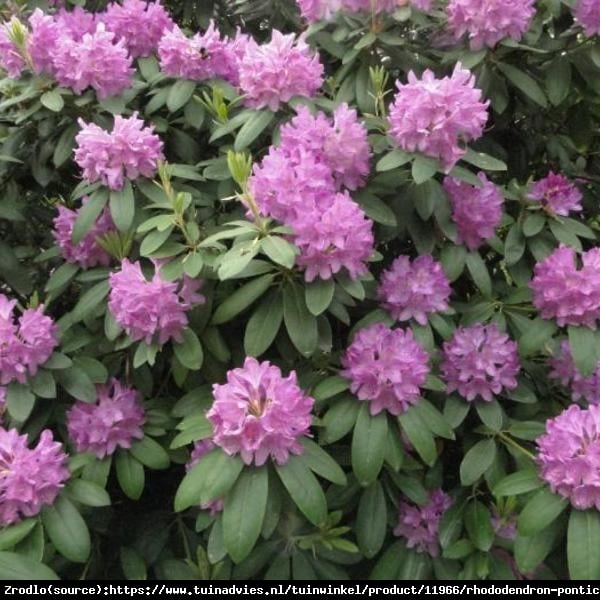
(544, 116)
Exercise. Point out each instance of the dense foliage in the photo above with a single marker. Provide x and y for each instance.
(300, 290)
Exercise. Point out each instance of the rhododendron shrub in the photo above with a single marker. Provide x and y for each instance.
(300, 289)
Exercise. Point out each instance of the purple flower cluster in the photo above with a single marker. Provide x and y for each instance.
(299, 183)
(386, 367)
(420, 525)
(151, 309)
(557, 195)
(114, 421)
(129, 151)
(200, 449)
(564, 369)
(477, 211)
(24, 344)
(587, 13)
(202, 56)
(568, 455)
(259, 414)
(487, 22)
(31, 478)
(563, 292)
(87, 252)
(480, 361)
(437, 116)
(273, 73)
(414, 289)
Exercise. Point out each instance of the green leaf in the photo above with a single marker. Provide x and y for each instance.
(451, 524)
(67, 530)
(210, 479)
(376, 208)
(434, 420)
(319, 294)
(517, 483)
(77, 383)
(558, 79)
(252, 128)
(300, 324)
(535, 337)
(583, 551)
(318, 461)
(453, 260)
(52, 100)
(459, 550)
(392, 160)
(133, 565)
(10, 536)
(540, 511)
(61, 277)
(368, 445)
(179, 94)
(122, 207)
(89, 301)
(388, 565)
(371, 520)
(329, 387)
(585, 348)
(88, 213)
(150, 453)
(524, 83)
(19, 401)
(419, 435)
(531, 550)
(279, 251)
(130, 474)
(514, 245)
(424, 168)
(340, 419)
(189, 352)
(264, 324)
(88, 493)
(479, 525)
(490, 413)
(478, 270)
(534, 222)
(304, 489)
(244, 512)
(484, 161)
(15, 567)
(477, 461)
(241, 299)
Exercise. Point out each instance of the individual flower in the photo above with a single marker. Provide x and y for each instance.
(97, 61)
(477, 211)
(339, 237)
(556, 194)
(129, 151)
(564, 292)
(273, 73)
(437, 116)
(11, 59)
(87, 252)
(200, 449)
(140, 24)
(151, 310)
(26, 343)
(420, 525)
(113, 421)
(76, 23)
(260, 414)
(414, 289)
(487, 22)
(199, 57)
(386, 367)
(564, 369)
(587, 14)
(568, 455)
(31, 477)
(480, 360)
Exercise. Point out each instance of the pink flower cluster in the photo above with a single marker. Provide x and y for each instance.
(31, 478)
(480, 361)
(87, 252)
(259, 414)
(420, 525)
(477, 211)
(299, 183)
(437, 116)
(563, 292)
(273, 73)
(386, 367)
(487, 22)
(200, 449)
(557, 195)
(129, 151)
(151, 309)
(414, 289)
(587, 13)
(564, 369)
(10, 58)
(24, 344)
(568, 456)
(114, 421)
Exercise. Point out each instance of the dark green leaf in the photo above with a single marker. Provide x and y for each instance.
(150, 453)
(130, 474)
(540, 511)
(318, 461)
(263, 325)
(319, 294)
(583, 551)
(15, 567)
(189, 352)
(88, 213)
(19, 401)
(122, 207)
(241, 299)
(252, 128)
(368, 445)
(517, 483)
(477, 461)
(371, 520)
(419, 435)
(300, 324)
